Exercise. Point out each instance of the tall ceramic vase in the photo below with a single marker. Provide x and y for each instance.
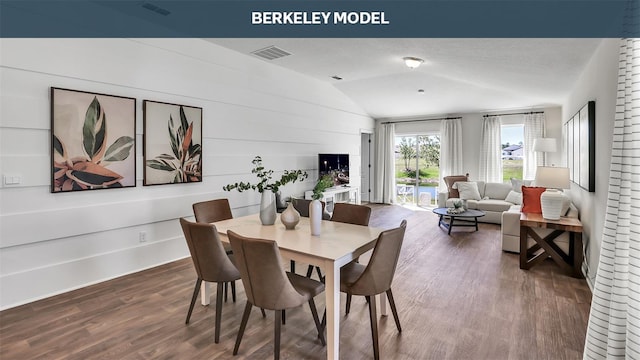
(315, 216)
(268, 208)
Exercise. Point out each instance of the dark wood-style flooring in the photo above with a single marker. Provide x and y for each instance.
(458, 297)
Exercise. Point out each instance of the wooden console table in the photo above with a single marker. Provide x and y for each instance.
(570, 263)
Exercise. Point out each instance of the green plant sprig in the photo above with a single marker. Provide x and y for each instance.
(265, 177)
(323, 184)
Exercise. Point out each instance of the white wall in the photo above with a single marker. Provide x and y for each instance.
(52, 243)
(598, 82)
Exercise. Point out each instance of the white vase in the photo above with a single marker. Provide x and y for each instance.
(551, 202)
(315, 216)
(290, 217)
(268, 208)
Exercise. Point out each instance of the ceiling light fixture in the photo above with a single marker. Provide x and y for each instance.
(421, 91)
(412, 62)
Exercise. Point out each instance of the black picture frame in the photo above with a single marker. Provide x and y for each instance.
(172, 143)
(580, 146)
(93, 142)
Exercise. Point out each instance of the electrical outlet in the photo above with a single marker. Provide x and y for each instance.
(142, 236)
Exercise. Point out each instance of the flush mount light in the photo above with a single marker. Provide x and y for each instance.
(412, 62)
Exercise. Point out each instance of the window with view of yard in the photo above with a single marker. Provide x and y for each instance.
(417, 168)
(512, 151)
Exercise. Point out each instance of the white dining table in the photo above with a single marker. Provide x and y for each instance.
(337, 245)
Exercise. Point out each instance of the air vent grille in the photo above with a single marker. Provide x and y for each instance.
(271, 53)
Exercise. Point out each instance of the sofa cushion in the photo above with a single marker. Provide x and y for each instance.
(496, 190)
(531, 199)
(514, 197)
(492, 205)
(468, 190)
(516, 184)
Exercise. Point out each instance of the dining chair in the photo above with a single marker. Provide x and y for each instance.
(211, 262)
(211, 211)
(375, 278)
(350, 214)
(268, 286)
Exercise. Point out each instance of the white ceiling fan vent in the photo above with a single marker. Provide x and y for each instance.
(271, 53)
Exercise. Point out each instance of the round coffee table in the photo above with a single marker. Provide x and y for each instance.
(466, 216)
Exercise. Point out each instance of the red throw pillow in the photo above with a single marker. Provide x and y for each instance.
(531, 199)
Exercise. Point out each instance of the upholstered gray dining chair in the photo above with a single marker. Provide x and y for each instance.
(268, 286)
(376, 277)
(350, 214)
(211, 262)
(211, 211)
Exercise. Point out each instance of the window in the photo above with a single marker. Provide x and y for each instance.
(417, 168)
(512, 151)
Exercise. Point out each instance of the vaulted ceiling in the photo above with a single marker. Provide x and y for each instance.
(457, 76)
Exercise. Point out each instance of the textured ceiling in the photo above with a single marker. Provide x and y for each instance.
(458, 75)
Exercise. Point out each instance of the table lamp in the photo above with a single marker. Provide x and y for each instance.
(553, 178)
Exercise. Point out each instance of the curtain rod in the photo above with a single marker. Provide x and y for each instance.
(443, 118)
(519, 113)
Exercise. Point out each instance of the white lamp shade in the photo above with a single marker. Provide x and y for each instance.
(552, 177)
(545, 145)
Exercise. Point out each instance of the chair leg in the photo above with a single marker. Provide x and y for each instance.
(226, 291)
(263, 313)
(233, 291)
(276, 339)
(392, 304)
(309, 271)
(348, 307)
(314, 313)
(243, 325)
(218, 312)
(320, 277)
(196, 291)
(374, 327)
(292, 267)
(284, 317)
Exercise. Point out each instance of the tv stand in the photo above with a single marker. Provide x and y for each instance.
(336, 194)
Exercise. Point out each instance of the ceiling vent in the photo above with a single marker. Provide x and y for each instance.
(271, 53)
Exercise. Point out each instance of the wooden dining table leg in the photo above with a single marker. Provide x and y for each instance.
(332, 294)
(205, 294)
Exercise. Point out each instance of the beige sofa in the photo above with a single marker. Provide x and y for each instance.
(511, 230)
(492, 201)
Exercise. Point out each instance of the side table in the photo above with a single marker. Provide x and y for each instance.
(570, 263)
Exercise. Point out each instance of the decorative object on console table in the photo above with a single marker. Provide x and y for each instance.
(315, 206)
(552, 199)
(267, 188)
(290, 217)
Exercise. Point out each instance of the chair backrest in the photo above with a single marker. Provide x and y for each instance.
(207, 253)
(265, 282)
(452, 179)
(351, 214)
(378, 274)
(212, 211)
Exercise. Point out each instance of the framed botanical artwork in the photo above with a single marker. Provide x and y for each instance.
(92, 141)
(172, 143)
(580, 146)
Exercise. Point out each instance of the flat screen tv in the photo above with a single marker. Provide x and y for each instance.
(336, 165)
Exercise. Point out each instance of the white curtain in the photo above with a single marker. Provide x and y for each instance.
(450, 149)
(490, 167)
(385, 185)
(533, 129)
(614, 320)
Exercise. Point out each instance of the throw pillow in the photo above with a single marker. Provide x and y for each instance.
(468, 190)
(514, 197)
(517, 184)
(531, 199)
(450, 181)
